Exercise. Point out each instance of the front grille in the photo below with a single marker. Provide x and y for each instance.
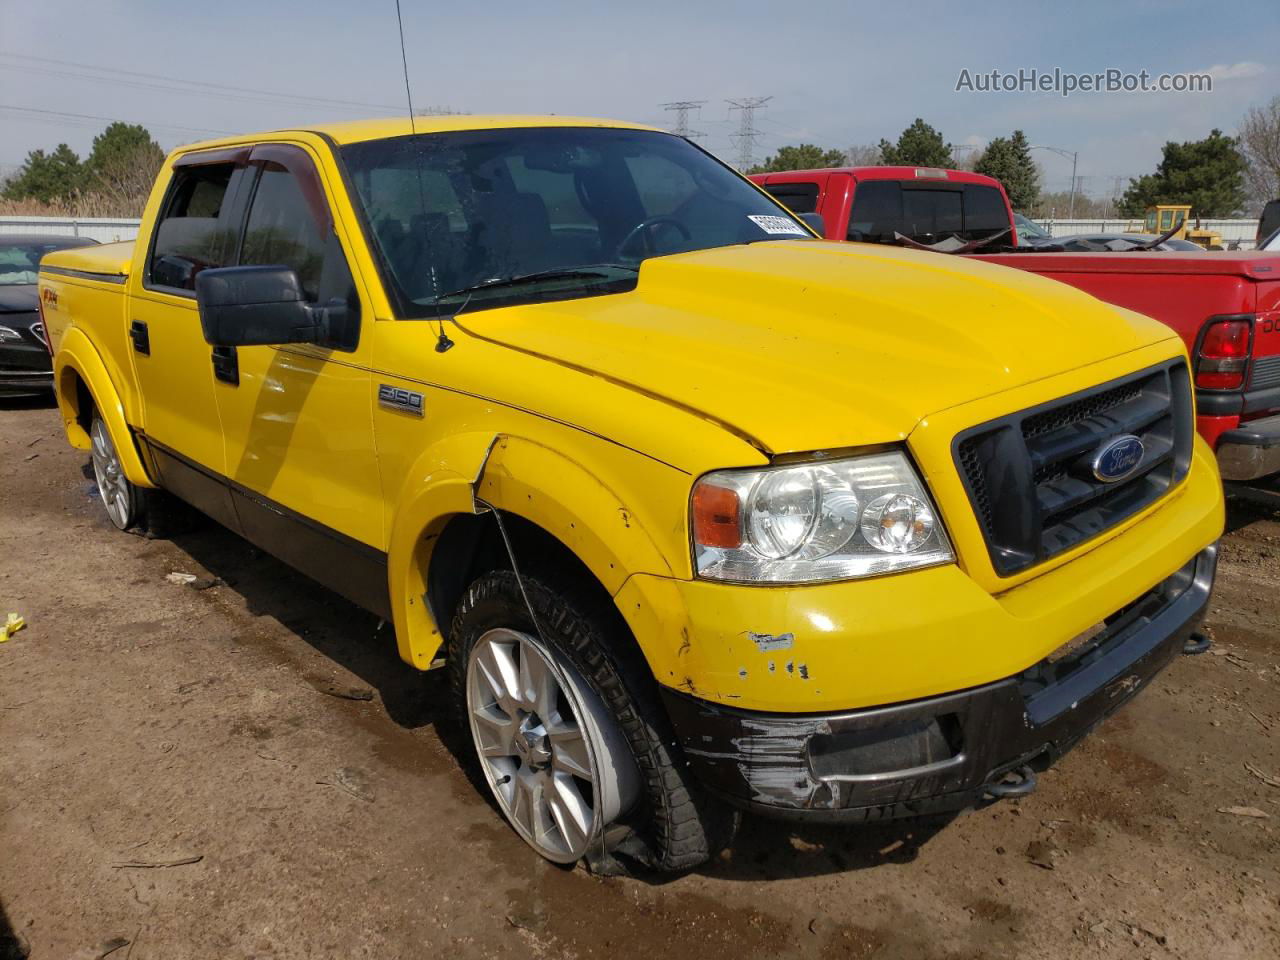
(1030, 475)
(1266, 373)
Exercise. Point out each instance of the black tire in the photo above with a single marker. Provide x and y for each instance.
(678, 826)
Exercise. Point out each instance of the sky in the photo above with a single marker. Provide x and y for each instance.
(838, 73)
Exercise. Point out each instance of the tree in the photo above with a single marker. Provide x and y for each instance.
(123, 163)
(919, 144)
(1208, 174)
(47, 176)
(862, 155)
(1009, 161)
(1260, 144)
(804, 157)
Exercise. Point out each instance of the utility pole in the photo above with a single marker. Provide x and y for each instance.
(1073, 156)
(745, 138)
(682, 108)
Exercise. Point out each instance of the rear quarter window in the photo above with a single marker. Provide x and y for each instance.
(796, 197)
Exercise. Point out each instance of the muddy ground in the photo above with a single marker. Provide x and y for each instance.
(145, 722)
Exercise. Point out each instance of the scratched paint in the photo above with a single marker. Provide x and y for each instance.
(768, 641)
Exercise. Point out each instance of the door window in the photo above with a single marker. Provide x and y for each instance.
(288, 225)
(282, 230)
(190, 234)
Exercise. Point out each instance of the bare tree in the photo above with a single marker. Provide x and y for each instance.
(862, 155)
(1260, 144)
(123, 181)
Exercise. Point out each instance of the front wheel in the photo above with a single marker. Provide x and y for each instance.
(566, 725)
(120, 497)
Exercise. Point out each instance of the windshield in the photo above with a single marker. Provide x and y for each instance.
(19, 262)
(1030, 229)
(925, 212)
(489, 217)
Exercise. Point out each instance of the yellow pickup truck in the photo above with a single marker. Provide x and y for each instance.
(701, 512)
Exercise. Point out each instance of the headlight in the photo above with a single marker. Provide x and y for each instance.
(816, 521)
(8, 333)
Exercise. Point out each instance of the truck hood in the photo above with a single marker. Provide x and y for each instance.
(806, 345)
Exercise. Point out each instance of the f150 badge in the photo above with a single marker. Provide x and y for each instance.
(1118, 458)
(399, 399)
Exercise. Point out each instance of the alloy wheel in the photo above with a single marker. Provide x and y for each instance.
(554, 757)
(113, 486)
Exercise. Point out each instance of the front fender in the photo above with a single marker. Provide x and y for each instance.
(518, 476)
(77, 356)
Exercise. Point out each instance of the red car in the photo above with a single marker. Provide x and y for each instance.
(1226, 306)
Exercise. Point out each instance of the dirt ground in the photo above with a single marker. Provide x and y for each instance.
(146, 722)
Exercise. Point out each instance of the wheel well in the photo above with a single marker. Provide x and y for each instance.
(84, 403)
(75, 392)
(471, 545)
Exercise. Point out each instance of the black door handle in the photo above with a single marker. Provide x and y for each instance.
(226, 365)
(141, 337)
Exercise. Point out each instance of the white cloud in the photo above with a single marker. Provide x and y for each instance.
(1235, 71)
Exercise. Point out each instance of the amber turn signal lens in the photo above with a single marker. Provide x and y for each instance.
(717, 517)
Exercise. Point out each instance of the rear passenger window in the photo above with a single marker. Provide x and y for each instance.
(796, 197)
(188, 238)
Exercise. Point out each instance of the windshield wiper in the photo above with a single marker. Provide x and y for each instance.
(572, 273)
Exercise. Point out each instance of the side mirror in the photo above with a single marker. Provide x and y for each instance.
(815, 223)
(257, 306)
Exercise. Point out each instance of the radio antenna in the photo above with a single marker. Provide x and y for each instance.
(404, 60)
(444, 343)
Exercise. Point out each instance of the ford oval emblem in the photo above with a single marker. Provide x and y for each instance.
(1118, 458)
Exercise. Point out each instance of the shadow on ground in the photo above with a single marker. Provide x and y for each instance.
(13, 946)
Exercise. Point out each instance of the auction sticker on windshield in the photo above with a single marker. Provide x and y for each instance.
(777, 225)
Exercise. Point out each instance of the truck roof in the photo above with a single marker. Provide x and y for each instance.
(357, 131)
(893, 173)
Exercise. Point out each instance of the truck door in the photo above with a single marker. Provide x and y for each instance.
(193, 230)
(297, 419)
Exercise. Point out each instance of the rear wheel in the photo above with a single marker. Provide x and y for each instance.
(120, 497)
(565, 722)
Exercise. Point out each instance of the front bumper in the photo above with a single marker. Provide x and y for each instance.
(944, 752)
(24, 382)
(25, 367)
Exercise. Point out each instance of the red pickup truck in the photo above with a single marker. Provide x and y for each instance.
(1226, 306)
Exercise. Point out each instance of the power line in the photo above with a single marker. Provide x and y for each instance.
(169, 81)
(682, 108)
(37, 114)
(745, 138)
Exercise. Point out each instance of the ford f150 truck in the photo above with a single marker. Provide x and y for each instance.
(1226, 306)
(699, 511)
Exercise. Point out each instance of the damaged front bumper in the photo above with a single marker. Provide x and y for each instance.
(945, 752)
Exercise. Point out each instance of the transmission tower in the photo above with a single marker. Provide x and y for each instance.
(682, 108)
(745, 138)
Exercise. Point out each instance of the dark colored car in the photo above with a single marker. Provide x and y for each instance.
(25, 367)
(1122, 242)
(1030, 233)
